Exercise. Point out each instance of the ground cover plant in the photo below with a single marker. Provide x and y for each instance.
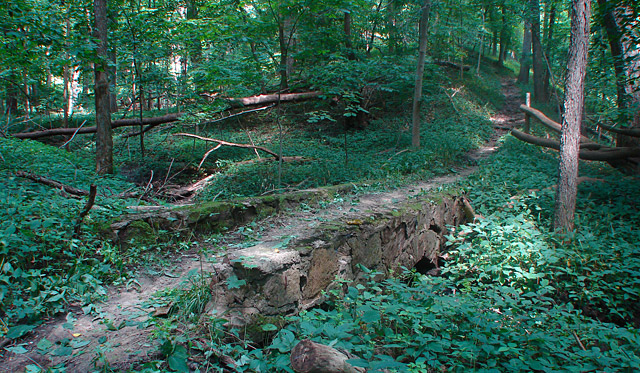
(45, 268)
(511, 295)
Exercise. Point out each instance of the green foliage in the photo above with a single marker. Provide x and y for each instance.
(42, 267)
(511, 295)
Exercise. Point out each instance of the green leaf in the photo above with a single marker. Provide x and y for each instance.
(63, 351)
(269, 327)
(17, 349)
(178, 360)
(44, 345)
(234, 283)
(19, 330)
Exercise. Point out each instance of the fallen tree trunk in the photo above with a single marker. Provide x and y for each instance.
(631, 132)
(222, 142)
(549, 123)
(272, 98)
(452, 65)
(151, 122)
(602, 154)
(52, 183)
(75, 192)
(311, 357)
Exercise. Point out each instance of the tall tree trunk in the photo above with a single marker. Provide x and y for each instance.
(525, 59)
(113, 71)
(620, 23)
(113, 80)
(392, 29)
(65, 74)
(503, 37)
(565, 204)
(481, 49)
(195, 46)
(538, 66)
(613, 36)
(351, 54)
(548, 42)
(417, 95)
(104, 139)
(494, 44)
(285, 37)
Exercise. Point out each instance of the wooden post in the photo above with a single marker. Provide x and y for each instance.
(527, 118)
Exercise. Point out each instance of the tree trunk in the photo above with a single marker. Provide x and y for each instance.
(392, 29)
(621, 22)
(565, 204)
(104, 139)
(65, 75)
(284, 54)
(548, 42)
(351, 54)
(417, 95)
(113, 72)
(525, 59)
(503, 37)
(494, 44)
(481, 49)
(538, 70)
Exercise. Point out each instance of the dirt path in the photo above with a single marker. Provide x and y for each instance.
(118, 334)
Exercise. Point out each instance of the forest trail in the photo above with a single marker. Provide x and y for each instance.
(118, 335)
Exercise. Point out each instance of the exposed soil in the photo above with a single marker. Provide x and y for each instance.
(117, 335)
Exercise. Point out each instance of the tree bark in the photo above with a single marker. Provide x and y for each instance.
(525, 59)
(538, 69)
(417, 95)
(588, 151)
(285, 35)
(272, 98)
(548, 41)
(115, 124)
(503, 37)
(574, 98)
(548, 122)
(104, 139)
(351, 54)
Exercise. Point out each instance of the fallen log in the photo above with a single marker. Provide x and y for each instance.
(311, 357)
(452, 65)
(631, 132)
(151, 122)
(272, 98)
(222, 142)
(601, 154)
(75, 192)
(549, 123)
(52, 183)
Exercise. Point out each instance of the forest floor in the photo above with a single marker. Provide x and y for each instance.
(118, 334)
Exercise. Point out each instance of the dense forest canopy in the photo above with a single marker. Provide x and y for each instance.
(125, 124)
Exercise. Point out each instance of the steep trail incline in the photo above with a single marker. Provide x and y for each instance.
(118, 335)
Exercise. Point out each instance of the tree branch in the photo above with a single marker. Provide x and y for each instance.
(602, 154)
(222, 142)
(549, 123)
(85, 211)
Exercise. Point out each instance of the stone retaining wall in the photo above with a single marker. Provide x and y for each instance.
(283, 281)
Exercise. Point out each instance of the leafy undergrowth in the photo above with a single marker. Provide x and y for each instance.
(455, 114)
(42, 267)
(511, 296)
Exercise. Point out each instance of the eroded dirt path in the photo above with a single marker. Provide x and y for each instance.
(117, 334)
